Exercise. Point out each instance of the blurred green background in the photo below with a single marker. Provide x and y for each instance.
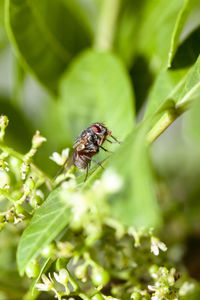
(67, 63)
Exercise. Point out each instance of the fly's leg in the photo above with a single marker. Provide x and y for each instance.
(94, 160)
(109, 141)
(105, 149)
(60, 170)
(115, 139)
(86, 176)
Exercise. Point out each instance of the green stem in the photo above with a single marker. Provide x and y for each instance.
(84, 296)
(20, 156)
(167, 119)
(107, 24)
(162, 124)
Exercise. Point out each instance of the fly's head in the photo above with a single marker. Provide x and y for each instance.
(101, 131)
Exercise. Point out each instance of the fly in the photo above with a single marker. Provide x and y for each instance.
(87, 145)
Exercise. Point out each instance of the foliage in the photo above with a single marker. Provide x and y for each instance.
(134, 66)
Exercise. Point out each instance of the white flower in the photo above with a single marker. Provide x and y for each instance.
(187, 287)
(69, 185)
(62, 277)
(60, 158)
(157, 245)
(47, 284)
(152, 288)
(111, 181)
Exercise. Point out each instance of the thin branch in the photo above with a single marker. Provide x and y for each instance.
(107, 24)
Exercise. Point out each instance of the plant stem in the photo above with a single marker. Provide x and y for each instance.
(163, 123)
(167, 119)
(107, 24)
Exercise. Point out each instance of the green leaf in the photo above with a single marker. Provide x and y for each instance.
(136, 204)
(162, 25)
(180, 22)
(97, 89)
(46, 224)
(181, 86)
(165, 86)
(47, 35)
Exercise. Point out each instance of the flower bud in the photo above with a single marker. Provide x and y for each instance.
(3, 121)
(97, 297)
(48, 251)
(30, 184)
(38, 140)
(36, 201)
(33, 269)
(135, 296)
(81, 272)
(100, 277)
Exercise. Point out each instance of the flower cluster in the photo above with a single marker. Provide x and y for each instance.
(24, 195)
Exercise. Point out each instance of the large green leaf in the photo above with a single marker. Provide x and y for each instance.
(47, 34)
(161, 27)
(136, 203)
(180, 86)
(46, 224)
(97, 89)
(165, 86)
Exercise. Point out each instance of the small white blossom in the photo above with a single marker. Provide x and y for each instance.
(47, 284)
(60, 159)
(111, 181)
(68, 185)
(157, 245)
(186, 288)
(152, 288)
(62, 277)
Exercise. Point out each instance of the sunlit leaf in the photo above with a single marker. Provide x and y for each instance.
(180, 86)
(97, 89)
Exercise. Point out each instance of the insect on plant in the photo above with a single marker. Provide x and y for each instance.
(87, 145)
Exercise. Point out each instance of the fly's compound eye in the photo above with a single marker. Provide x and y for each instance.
(96, 129)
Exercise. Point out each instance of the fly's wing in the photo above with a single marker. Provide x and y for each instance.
(80, 144)
(67, 164)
